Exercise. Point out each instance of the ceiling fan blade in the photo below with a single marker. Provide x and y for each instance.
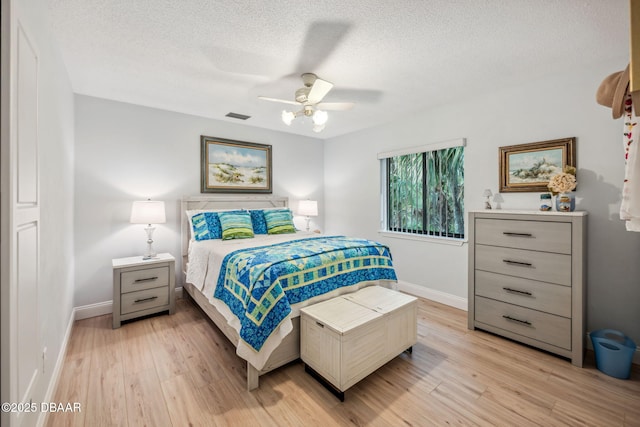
(335, 106)
(318, 91)
(322, 38)
(284, 101)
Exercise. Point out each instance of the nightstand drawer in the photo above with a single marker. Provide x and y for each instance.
(547, 328)
(147, 278)
(142, 300)
(534, 235)
(542, 266)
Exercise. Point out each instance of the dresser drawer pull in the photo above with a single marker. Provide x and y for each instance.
(524, 322)
(320, 324)
(509, 233)
(145, 299)
(518, 291)
(148, 279)
(520, 263)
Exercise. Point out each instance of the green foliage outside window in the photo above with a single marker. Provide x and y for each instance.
(426, 193)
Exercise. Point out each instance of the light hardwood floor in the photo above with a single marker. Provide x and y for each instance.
(181, 371)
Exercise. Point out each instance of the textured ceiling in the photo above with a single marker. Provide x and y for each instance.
(390, 57)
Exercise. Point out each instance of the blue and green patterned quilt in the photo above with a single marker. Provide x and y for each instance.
(260, 284)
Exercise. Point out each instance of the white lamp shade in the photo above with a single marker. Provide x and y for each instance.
(287, 117)
(318, 128)
(308, 208)
(320, 117)
(148, 212)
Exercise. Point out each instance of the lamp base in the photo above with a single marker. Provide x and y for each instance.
(151, 253)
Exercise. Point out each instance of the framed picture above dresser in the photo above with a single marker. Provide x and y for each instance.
(527, 278)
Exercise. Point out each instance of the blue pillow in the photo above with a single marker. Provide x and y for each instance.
(279, 221)
(206, 226)
(258, 221)
(236, 225)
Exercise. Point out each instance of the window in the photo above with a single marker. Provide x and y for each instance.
(423, 191)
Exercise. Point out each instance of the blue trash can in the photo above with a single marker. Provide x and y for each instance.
(614, 352)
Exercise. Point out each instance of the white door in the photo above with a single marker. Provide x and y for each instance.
(21, 366)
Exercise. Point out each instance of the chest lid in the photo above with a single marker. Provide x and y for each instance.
(340, 314)
(379, 299)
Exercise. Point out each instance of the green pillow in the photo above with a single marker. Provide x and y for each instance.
(279, 221)
(235, 225)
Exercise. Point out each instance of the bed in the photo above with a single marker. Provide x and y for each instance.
(277, 293)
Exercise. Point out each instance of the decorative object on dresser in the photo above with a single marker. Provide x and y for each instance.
(498, 200)
(228, 166)
(545, 202)
(344, 339)
(142, 286)
(487, 194)
(527, 278)
(565, 202)
(148, 212)
(308, 208)
(528, 167)
(561, 186)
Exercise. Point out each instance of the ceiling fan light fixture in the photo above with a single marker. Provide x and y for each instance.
(287, 117)
(318, 128)
(320, 117)
(309, 100)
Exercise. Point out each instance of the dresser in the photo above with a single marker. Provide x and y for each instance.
(142, 287)
(527, 278)
(344, 339)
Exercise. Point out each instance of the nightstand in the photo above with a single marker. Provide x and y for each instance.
(142, 287)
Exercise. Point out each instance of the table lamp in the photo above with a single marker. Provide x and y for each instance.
(308, 208)
(148, 212)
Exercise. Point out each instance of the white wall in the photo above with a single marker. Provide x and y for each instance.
(56, 162)
(556, 106)
(55, 168)
(126, 152)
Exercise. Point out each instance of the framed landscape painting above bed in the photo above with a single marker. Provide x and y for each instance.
(529, 167)
(229, 166)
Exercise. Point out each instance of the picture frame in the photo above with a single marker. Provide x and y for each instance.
(230, 166)
(529, 167)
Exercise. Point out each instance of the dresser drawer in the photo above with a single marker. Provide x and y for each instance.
(146, 278)
(542, 266)
(142, 300)
(541, 296)
(534, 235)
(544, 327)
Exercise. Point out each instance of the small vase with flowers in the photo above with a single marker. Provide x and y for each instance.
(561, 186)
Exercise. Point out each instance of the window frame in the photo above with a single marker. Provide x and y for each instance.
(384, 196)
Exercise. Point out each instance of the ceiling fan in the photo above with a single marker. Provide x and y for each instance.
(309, 98)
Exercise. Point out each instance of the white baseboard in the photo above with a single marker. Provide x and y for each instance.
(93, 310)
(101, 308)
(433, 295)
(55, 376)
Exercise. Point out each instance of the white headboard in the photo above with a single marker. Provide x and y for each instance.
(220, 201)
